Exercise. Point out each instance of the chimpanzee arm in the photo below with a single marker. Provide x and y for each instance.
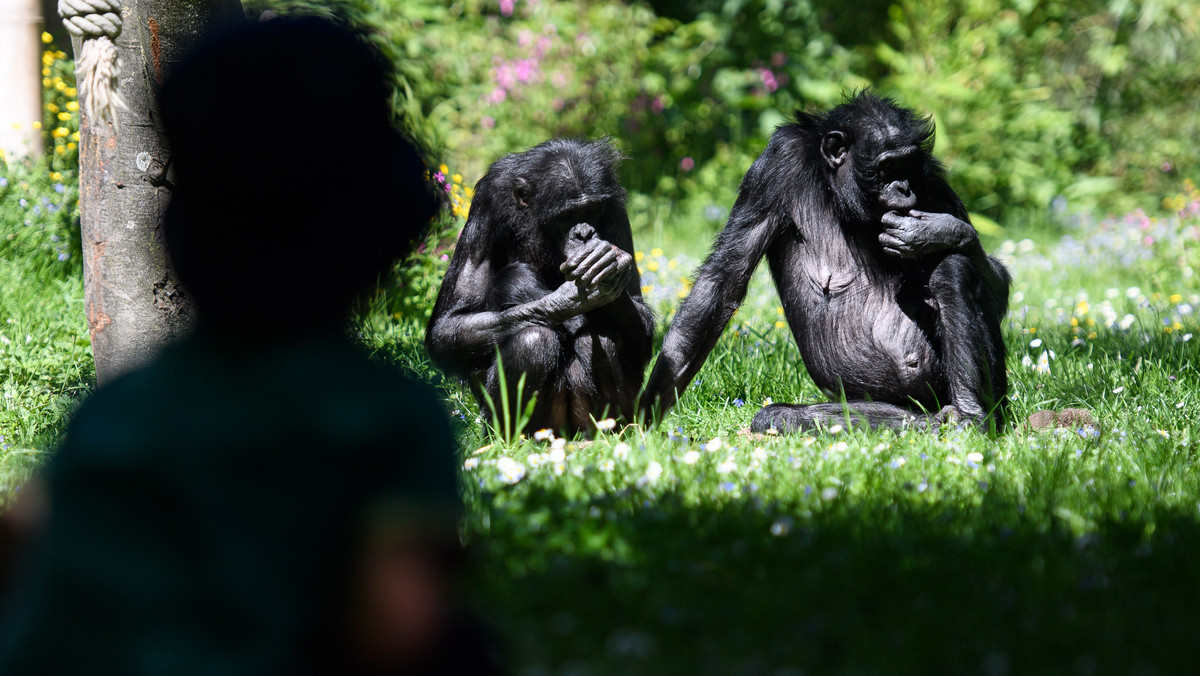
(463, 330)
(720, 285)
(629, 314)
(940, 224)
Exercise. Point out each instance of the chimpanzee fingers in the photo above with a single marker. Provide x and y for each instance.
(596, 264)
(578, 260)
(894, 246)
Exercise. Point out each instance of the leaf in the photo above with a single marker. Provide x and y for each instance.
(986, 225)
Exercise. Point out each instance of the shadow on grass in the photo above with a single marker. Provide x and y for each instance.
(615, 586)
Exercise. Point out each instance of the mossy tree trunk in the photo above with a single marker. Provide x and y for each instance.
(134, 304)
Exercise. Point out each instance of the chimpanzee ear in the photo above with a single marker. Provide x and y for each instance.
(833, 148)
(522, 192)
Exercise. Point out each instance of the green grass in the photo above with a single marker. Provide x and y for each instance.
(694, 548)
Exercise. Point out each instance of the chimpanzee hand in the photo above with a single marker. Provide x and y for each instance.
(599, 269)
(920, 233)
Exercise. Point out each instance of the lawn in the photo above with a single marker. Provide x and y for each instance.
(696, 548)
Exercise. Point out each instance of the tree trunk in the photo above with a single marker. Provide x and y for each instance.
(134, 304)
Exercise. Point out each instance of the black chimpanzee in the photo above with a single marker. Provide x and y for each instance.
(544, 272)
(890, 296)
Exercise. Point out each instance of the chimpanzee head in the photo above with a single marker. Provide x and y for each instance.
(554, 187)
(878, 154)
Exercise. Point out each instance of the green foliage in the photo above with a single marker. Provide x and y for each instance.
(45, 361)
(1092, 101)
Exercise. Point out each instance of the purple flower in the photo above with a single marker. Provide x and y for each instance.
(63, 256)
(739, 403)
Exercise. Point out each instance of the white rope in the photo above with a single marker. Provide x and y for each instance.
(97, 23)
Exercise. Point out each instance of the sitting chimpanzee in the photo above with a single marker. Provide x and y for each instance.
(543, 276)
(891, 298)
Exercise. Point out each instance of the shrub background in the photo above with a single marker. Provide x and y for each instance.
(1094, 101)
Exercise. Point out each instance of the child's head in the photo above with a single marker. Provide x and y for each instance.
(293, 191)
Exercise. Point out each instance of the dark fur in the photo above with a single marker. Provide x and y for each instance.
(505, 289)
(907, 330)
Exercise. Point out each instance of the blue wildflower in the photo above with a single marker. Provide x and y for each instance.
(63, 257)
(59, 188)
(727, 486)
(739, 403)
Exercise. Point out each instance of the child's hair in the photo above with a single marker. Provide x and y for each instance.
(293, 189)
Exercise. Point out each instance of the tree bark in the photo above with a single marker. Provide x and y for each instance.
(134, 303)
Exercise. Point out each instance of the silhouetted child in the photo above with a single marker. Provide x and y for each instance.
(261, 498)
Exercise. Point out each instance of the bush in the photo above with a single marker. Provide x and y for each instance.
(1093, 101)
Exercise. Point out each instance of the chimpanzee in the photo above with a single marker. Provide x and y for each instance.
(543, 273)
(892, 301)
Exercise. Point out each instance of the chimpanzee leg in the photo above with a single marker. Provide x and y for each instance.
(538, 354)
(972, 345)
(785, 418)
(595, 374)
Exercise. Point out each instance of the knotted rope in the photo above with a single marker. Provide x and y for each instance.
(97, 23)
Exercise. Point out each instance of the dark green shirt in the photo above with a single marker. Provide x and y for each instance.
(207, 512)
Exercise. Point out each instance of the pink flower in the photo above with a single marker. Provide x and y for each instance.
(488, 122)
(687, 164)
(768, 80)
(507, 6)
(657, 104)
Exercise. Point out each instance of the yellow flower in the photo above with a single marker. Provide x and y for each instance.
(47, 38)
(1176, 298)
(652, 266)
(656, 252)
(70, 91)
(60, 85)
(60, 132)
(60, 54)
(75, 136)
(45, 72)
(60, 149)
(71, 145)
(46, 83)
(64, 116)
(55, 176)
(457, 178)
(780, 325)
(51, 108)
(37, 125)
(647, 289)
(683, 293)
(72, 106)
(47, 58)
(638, 256)
(1074, 321)
(672, 264)
(444, 169)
